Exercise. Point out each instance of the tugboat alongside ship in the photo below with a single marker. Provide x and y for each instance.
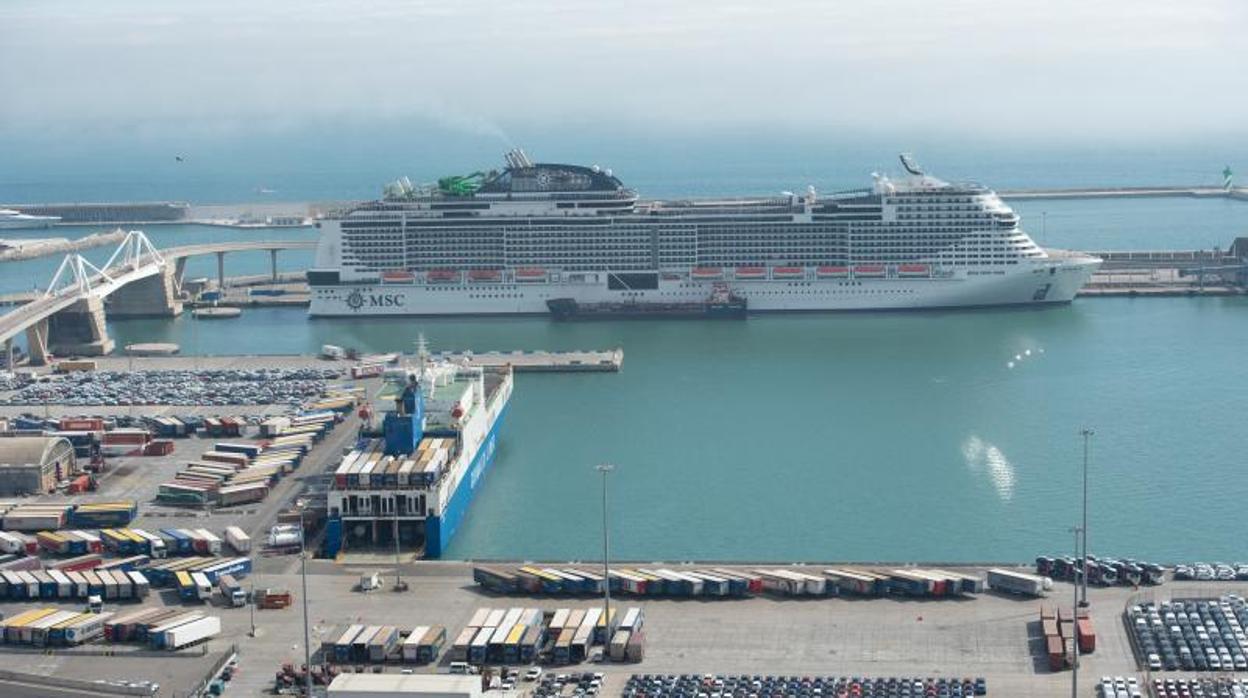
(722, 304)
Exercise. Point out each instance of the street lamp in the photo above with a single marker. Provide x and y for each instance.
(307, 640)
(1087, 436)
(1074, 667)
(606, 555)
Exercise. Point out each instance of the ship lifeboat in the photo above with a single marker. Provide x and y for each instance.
(750, 273)
(788, 273)
(397, 276)
(485, 275)
(442, 276)
(912, 270)
(707, 273)
(869, 271)
(832, 272)
(671, 276)
(530, 274)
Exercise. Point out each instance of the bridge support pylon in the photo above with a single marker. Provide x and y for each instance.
(154, 296)
(78, 330)
(37, 343)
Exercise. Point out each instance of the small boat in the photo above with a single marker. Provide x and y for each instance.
(832, 272)
(869, 270)
(750, 273)
(485, 275)
(912, 270)
(788, 273)
(706, 273)
(442, 276)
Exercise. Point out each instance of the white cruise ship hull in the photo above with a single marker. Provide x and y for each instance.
(1044, 282)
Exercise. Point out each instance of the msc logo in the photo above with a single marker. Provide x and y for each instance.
(358, 300)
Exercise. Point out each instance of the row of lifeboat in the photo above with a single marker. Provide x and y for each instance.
(861, 271)
(454, 276)
(536, 274)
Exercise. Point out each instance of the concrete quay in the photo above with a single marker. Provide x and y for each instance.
(1126, 192)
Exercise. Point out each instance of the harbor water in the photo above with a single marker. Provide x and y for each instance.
(876, 436)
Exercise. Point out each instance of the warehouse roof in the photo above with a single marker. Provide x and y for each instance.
(440, 685)
(28, 450)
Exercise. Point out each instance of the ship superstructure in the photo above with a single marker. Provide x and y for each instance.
(509, 241)
(415, 473)
(11, 219)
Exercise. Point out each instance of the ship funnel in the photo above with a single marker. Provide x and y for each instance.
(907, 161)
(517, 159)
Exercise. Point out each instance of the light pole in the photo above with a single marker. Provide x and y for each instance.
(307, 640)
(606, 468)
(1074, 666)
(252, 605)
(1087, 436)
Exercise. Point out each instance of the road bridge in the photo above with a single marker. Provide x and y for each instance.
(138, 280)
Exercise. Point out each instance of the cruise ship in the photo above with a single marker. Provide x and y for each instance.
(533, 235)
(11, 219)
(415, 472)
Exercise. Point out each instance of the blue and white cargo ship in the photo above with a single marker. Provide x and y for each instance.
(419, 471)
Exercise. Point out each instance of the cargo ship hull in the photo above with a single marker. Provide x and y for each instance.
(441, 528)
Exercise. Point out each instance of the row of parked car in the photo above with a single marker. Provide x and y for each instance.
(583, 685)
(1119, 687)
(1192, 635)
(1215, 572)
(770, 686)
(1221, 687)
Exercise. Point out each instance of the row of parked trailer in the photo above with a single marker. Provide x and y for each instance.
(566, 636)
(166, 573)
(382, 643)
(44, 627)
(53, 584)
(53, 517)
(735, 583)
(242, 473)
(160, 628)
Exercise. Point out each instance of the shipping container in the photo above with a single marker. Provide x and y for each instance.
(86, 629)
(459, 648)
(1086, 635)
(480, 644)
(412, 641)
(238, 539)
(383, 643)
(619, 645)
(203, 587)
(190, 633)
(342, 645)
(359, 645)
(139, 584)
(1018, 582)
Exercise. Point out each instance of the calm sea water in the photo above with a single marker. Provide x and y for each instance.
(865, 436)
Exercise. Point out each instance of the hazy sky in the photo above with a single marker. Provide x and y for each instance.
(1080, 69)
